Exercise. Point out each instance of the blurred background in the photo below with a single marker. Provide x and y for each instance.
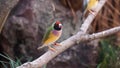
(24, 22)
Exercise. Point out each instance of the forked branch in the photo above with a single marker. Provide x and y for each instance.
(80, 36)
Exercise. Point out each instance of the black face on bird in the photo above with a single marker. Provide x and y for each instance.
(57, 25)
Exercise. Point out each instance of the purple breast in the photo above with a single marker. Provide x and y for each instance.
(56, 33)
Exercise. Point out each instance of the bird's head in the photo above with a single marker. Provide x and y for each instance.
(57, 25)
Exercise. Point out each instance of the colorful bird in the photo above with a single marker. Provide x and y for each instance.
(52, 35)
(90, 5)
(82, 5)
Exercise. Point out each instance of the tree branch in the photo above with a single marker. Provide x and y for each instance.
(101, 34)
(80, 36)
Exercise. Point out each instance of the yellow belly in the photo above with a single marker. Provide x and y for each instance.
(91, 4)
(52, 38)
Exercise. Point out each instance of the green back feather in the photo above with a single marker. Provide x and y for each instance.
(46, 36)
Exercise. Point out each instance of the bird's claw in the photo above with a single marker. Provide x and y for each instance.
(92, 12)
(56, 44)
(52, 49)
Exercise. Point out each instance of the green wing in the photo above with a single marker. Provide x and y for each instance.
(46, 36)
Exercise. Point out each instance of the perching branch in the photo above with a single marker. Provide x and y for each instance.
(65, 45)
(80, 36)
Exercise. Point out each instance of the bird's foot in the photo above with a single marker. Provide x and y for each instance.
(57, 44)
(52, 49)
(92, 12)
